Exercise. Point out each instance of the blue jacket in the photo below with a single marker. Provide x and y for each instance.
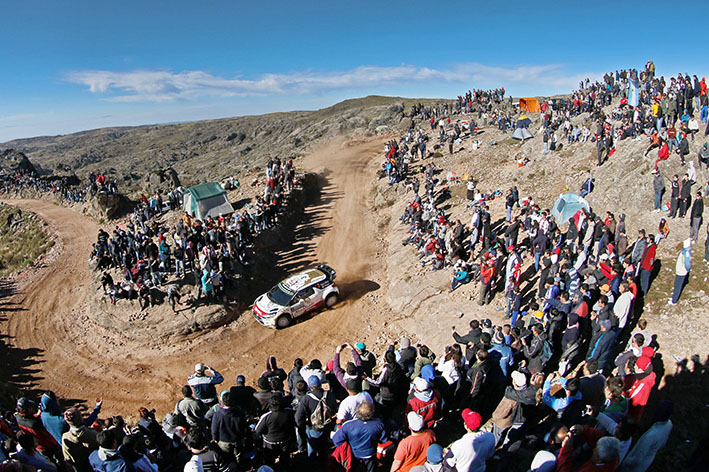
(203, 385)
(362, 436)
(104, 460)
(53, 419)
(503, 354)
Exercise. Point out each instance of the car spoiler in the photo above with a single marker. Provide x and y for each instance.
(328, 270)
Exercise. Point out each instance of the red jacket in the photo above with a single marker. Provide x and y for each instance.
(430, 411)
(591, 436)
(638, 392)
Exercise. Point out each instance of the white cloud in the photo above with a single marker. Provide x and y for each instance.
(160, 86)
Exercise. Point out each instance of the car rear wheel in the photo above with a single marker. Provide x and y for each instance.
(330, 300)
(283, 321)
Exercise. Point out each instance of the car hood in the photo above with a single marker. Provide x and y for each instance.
(266, 306)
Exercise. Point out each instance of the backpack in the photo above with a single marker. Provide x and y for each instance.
(322, 415)
(546, 351)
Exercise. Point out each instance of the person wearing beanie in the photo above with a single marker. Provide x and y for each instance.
(509, 414)
(501, 354)
(426, 402)
(434, 460)
(472, 451)
(79, 442)
(413, 449)
(204, 385)
(406, 356)
(367, 358)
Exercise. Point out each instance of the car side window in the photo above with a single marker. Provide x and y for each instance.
(306, 292)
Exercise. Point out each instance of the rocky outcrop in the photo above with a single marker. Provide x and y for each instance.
(12, 160)
(161, 180)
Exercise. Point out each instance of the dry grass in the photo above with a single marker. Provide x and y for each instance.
(23, 241)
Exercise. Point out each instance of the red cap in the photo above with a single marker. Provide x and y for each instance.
(330, 365)
(472, 419)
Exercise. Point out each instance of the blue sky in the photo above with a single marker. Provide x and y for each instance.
(72, 65)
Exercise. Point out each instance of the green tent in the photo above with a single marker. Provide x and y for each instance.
(207, 199)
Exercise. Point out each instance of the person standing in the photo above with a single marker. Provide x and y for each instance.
(658, 185)
(203, 385)
(674, 196)
(696, 217)
(647, 264)
(682, 268)
(685, 195)
(363, 435)
(471, 452)
(412, 450)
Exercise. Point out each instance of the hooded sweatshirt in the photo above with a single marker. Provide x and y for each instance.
(77, 445)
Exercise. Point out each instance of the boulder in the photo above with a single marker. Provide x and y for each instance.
(163, 180)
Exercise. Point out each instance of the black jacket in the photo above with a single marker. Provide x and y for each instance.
(698, 208)
(228, 425)
(276, 426)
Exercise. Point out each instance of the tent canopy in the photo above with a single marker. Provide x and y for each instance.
(522, 134)
(530, 105)
(523, 122)
(207, 199)
(567, 205)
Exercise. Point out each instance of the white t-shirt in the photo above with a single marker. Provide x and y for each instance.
(194, 465)
(449, 372)
(471, 452)
(348, 406)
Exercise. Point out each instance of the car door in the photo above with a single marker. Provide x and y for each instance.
(302, 301)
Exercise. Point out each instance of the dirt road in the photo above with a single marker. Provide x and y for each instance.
(78, 360)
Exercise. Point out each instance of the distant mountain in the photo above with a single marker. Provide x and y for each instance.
(210, 149)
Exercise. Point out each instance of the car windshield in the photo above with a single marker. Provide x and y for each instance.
(280, 295)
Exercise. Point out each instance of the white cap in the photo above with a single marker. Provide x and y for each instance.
(420, 384)
(199, 367)
(415, 421)
(519, 379)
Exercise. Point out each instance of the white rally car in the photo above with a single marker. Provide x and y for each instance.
(297, 295)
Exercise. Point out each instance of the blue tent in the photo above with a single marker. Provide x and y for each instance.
(567, 206)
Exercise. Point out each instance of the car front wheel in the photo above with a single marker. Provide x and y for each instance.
(283, 321)
(330, 300)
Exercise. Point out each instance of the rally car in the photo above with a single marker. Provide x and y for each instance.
(297, 295)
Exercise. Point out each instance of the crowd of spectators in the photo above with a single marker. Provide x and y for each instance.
(153, 261)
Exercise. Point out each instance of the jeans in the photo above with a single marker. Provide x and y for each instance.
(658, 199)
(316, 443)
(509, 214)
(179, 266)
(679, 285)
(645, 281)
(537, 258)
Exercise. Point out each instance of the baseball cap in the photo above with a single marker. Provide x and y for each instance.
(199, 367)
(434, 455)
(314, 381)
(472, 419)
(420, 385)
(361, 346)
(415, 421)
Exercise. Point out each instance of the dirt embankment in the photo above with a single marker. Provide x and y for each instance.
(79, 359)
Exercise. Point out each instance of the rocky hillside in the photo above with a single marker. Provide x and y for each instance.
(210, 149)
(24, 239)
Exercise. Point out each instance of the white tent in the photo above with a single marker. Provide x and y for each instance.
(207, 199)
